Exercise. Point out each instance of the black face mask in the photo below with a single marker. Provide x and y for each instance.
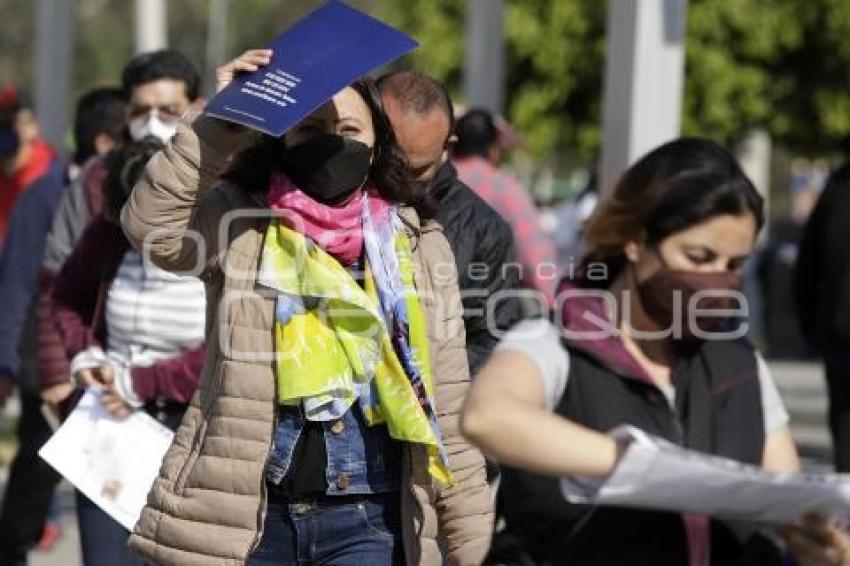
(327, 167)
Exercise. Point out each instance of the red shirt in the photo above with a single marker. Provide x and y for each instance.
(41, 155)
(534, 248)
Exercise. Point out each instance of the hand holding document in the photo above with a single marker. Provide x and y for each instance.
(317, 57)
(655, 474)
(112, 461)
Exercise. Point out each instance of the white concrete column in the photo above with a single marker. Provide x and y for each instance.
(151, 25)
(754, 154)
(484, 67)
(644, 77)
(53, 62)
(216, 41)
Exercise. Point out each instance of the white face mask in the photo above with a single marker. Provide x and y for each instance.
(151, 125)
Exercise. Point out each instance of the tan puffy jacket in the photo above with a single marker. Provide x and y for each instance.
(208, 504)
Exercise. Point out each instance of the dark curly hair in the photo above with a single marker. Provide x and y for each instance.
(125, 166)
(390, 173)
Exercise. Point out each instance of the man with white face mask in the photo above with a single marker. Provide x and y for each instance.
(160, 87)
(150, 124)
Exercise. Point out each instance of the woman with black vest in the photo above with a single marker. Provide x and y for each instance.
(626, 346)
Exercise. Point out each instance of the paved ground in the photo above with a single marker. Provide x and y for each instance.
(801, 386)
(67, 551)
(803, 389)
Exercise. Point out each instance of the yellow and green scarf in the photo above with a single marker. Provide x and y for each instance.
(337, 342)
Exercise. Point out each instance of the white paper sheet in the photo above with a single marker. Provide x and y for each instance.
(655, 474)
(112, 461)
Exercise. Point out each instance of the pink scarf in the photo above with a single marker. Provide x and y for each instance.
(336, 229)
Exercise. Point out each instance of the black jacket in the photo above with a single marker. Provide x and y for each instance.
(717, 411)
(822, 279)
(482, 244)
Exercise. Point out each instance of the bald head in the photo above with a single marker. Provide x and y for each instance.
(421, 115)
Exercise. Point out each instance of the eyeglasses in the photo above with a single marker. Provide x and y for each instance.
(168, 113)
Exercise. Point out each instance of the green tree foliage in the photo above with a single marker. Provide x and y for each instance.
(555, 58)
(815, 106)
(16, 46)
(554, 54)
(103, 43)
(735, 66)
(104, 35)
(779, 64)
(438, 25)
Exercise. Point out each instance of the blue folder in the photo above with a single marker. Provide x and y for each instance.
(313, 60)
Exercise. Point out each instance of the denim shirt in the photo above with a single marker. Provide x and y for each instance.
(360, 459)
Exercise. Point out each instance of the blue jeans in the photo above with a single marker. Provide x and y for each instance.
(364, 532)
(102, 538)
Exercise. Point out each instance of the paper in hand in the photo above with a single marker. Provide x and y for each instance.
(114, 462)
(655, 474)
(313, 60)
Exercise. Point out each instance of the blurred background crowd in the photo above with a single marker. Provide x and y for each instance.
(767, 78)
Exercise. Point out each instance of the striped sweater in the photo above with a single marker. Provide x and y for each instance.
(152, 315)
(149, 321)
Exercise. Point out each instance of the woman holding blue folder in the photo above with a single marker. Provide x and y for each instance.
(325, 428)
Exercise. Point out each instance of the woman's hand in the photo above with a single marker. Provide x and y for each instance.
(114, 404)
(817, 543)
(248, 62)
(96, 378)
(103, 379)
(55, 395)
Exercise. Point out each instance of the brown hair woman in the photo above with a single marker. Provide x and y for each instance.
(625, 347)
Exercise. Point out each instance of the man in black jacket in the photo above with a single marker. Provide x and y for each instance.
(421, 115)
(822, 288)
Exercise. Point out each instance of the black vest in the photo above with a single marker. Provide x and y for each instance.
(718, 411)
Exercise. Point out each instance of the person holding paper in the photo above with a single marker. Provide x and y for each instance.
(132, 331)
(158, 87)
(98, 125)
(325, 427)
(642, 336)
